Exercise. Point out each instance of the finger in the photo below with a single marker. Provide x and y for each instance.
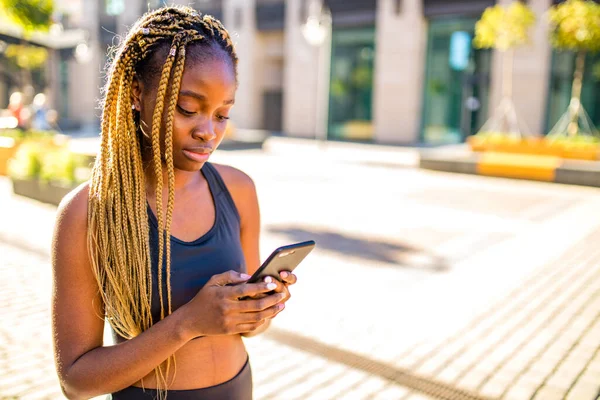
(229, 277)
(251, 317)
(288, 278)
(251, 289)
(257, 305)
(251, 327)
(280, 285)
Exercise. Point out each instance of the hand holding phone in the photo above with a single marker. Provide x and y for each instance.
(285, 258)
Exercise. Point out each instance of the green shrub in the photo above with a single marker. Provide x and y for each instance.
(48, 160)
(12, 133)
(26, 163)
(63, 167)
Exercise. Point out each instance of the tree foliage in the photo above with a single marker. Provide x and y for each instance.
(575, 25)
(504, 28)
(26, 57)
(31, 15)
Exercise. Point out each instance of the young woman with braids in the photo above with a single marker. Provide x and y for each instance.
(153, 196)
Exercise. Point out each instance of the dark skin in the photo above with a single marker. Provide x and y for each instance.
(204, 334)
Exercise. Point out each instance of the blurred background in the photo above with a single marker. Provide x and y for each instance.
(444, 156)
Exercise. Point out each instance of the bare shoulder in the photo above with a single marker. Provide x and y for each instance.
(70, 228)
(72, 210)
(237, 181)
(243, 192)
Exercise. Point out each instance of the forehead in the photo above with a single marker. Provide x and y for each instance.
(214, 74)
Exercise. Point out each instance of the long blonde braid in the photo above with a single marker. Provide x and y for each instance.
(118, 230)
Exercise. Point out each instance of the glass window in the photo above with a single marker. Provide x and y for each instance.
(456, 91)
(351, 87)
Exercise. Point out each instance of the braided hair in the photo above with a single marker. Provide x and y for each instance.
(154, 51)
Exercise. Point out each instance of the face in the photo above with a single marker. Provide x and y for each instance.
(205, 99)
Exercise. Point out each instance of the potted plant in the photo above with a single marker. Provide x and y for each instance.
(503, 28)
(61, 171)
(575, 26)
(24, 169)
(46, 170)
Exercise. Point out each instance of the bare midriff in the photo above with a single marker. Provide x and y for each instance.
(204, 362)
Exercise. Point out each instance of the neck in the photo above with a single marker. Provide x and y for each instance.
(184, 180)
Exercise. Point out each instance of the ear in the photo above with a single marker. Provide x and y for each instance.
(137, 87)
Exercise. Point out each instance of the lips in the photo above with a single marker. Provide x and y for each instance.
(198, 154)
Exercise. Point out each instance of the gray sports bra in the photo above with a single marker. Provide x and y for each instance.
(194, 263)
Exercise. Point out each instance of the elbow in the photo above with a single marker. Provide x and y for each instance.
(75, 389)
(72, 392)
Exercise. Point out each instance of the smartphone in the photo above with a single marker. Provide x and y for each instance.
(284, 258)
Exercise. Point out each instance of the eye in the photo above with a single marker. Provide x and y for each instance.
(222, 118)
(184, 111)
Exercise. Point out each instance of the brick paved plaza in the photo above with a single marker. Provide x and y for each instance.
(423, 286)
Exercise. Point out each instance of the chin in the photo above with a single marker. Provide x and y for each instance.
(189, 166)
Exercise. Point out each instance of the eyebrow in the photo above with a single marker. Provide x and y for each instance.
(201, 97)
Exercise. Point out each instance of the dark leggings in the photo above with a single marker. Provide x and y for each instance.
(237, 388)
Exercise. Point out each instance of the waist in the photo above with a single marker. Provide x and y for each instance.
(203, 362)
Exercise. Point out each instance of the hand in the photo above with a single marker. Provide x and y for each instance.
(285, 280)
(216, 310)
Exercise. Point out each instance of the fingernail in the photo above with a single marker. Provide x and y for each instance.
(268, 279)
(244, 276)
(285, 274)
(281, 306)
(271, 286)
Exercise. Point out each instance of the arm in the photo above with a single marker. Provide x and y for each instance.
(85, 368)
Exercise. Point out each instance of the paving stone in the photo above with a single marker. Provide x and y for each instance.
(583, 391)
(550, 393)
(520, 391)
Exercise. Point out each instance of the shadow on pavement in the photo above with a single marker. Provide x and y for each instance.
(23, 246)
(394, 254)
(400, 376)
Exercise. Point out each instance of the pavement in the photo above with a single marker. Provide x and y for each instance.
(424, 285)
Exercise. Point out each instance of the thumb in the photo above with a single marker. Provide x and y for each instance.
(229, 277)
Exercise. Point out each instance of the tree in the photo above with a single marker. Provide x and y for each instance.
(31, 15)
(504, 28)
(575, 26)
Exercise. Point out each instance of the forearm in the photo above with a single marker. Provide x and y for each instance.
(258, 331)
(108, 369)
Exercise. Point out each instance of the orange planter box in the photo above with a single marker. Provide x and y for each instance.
(8, 147)
(536, 146)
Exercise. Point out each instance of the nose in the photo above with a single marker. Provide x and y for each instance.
(204, 131)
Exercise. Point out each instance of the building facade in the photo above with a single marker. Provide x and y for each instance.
(386, 71)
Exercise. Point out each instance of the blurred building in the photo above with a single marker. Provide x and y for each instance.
(388, 71)
(63, 43)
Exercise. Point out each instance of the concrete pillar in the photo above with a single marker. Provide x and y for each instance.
(531, 72)
(133, 10)
(239, 17)
(399, 70)
(301, 76)
(84, 79)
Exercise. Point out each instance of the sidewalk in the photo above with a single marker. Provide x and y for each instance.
(495, 295)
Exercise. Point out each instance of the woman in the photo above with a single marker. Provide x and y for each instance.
(171, 86)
